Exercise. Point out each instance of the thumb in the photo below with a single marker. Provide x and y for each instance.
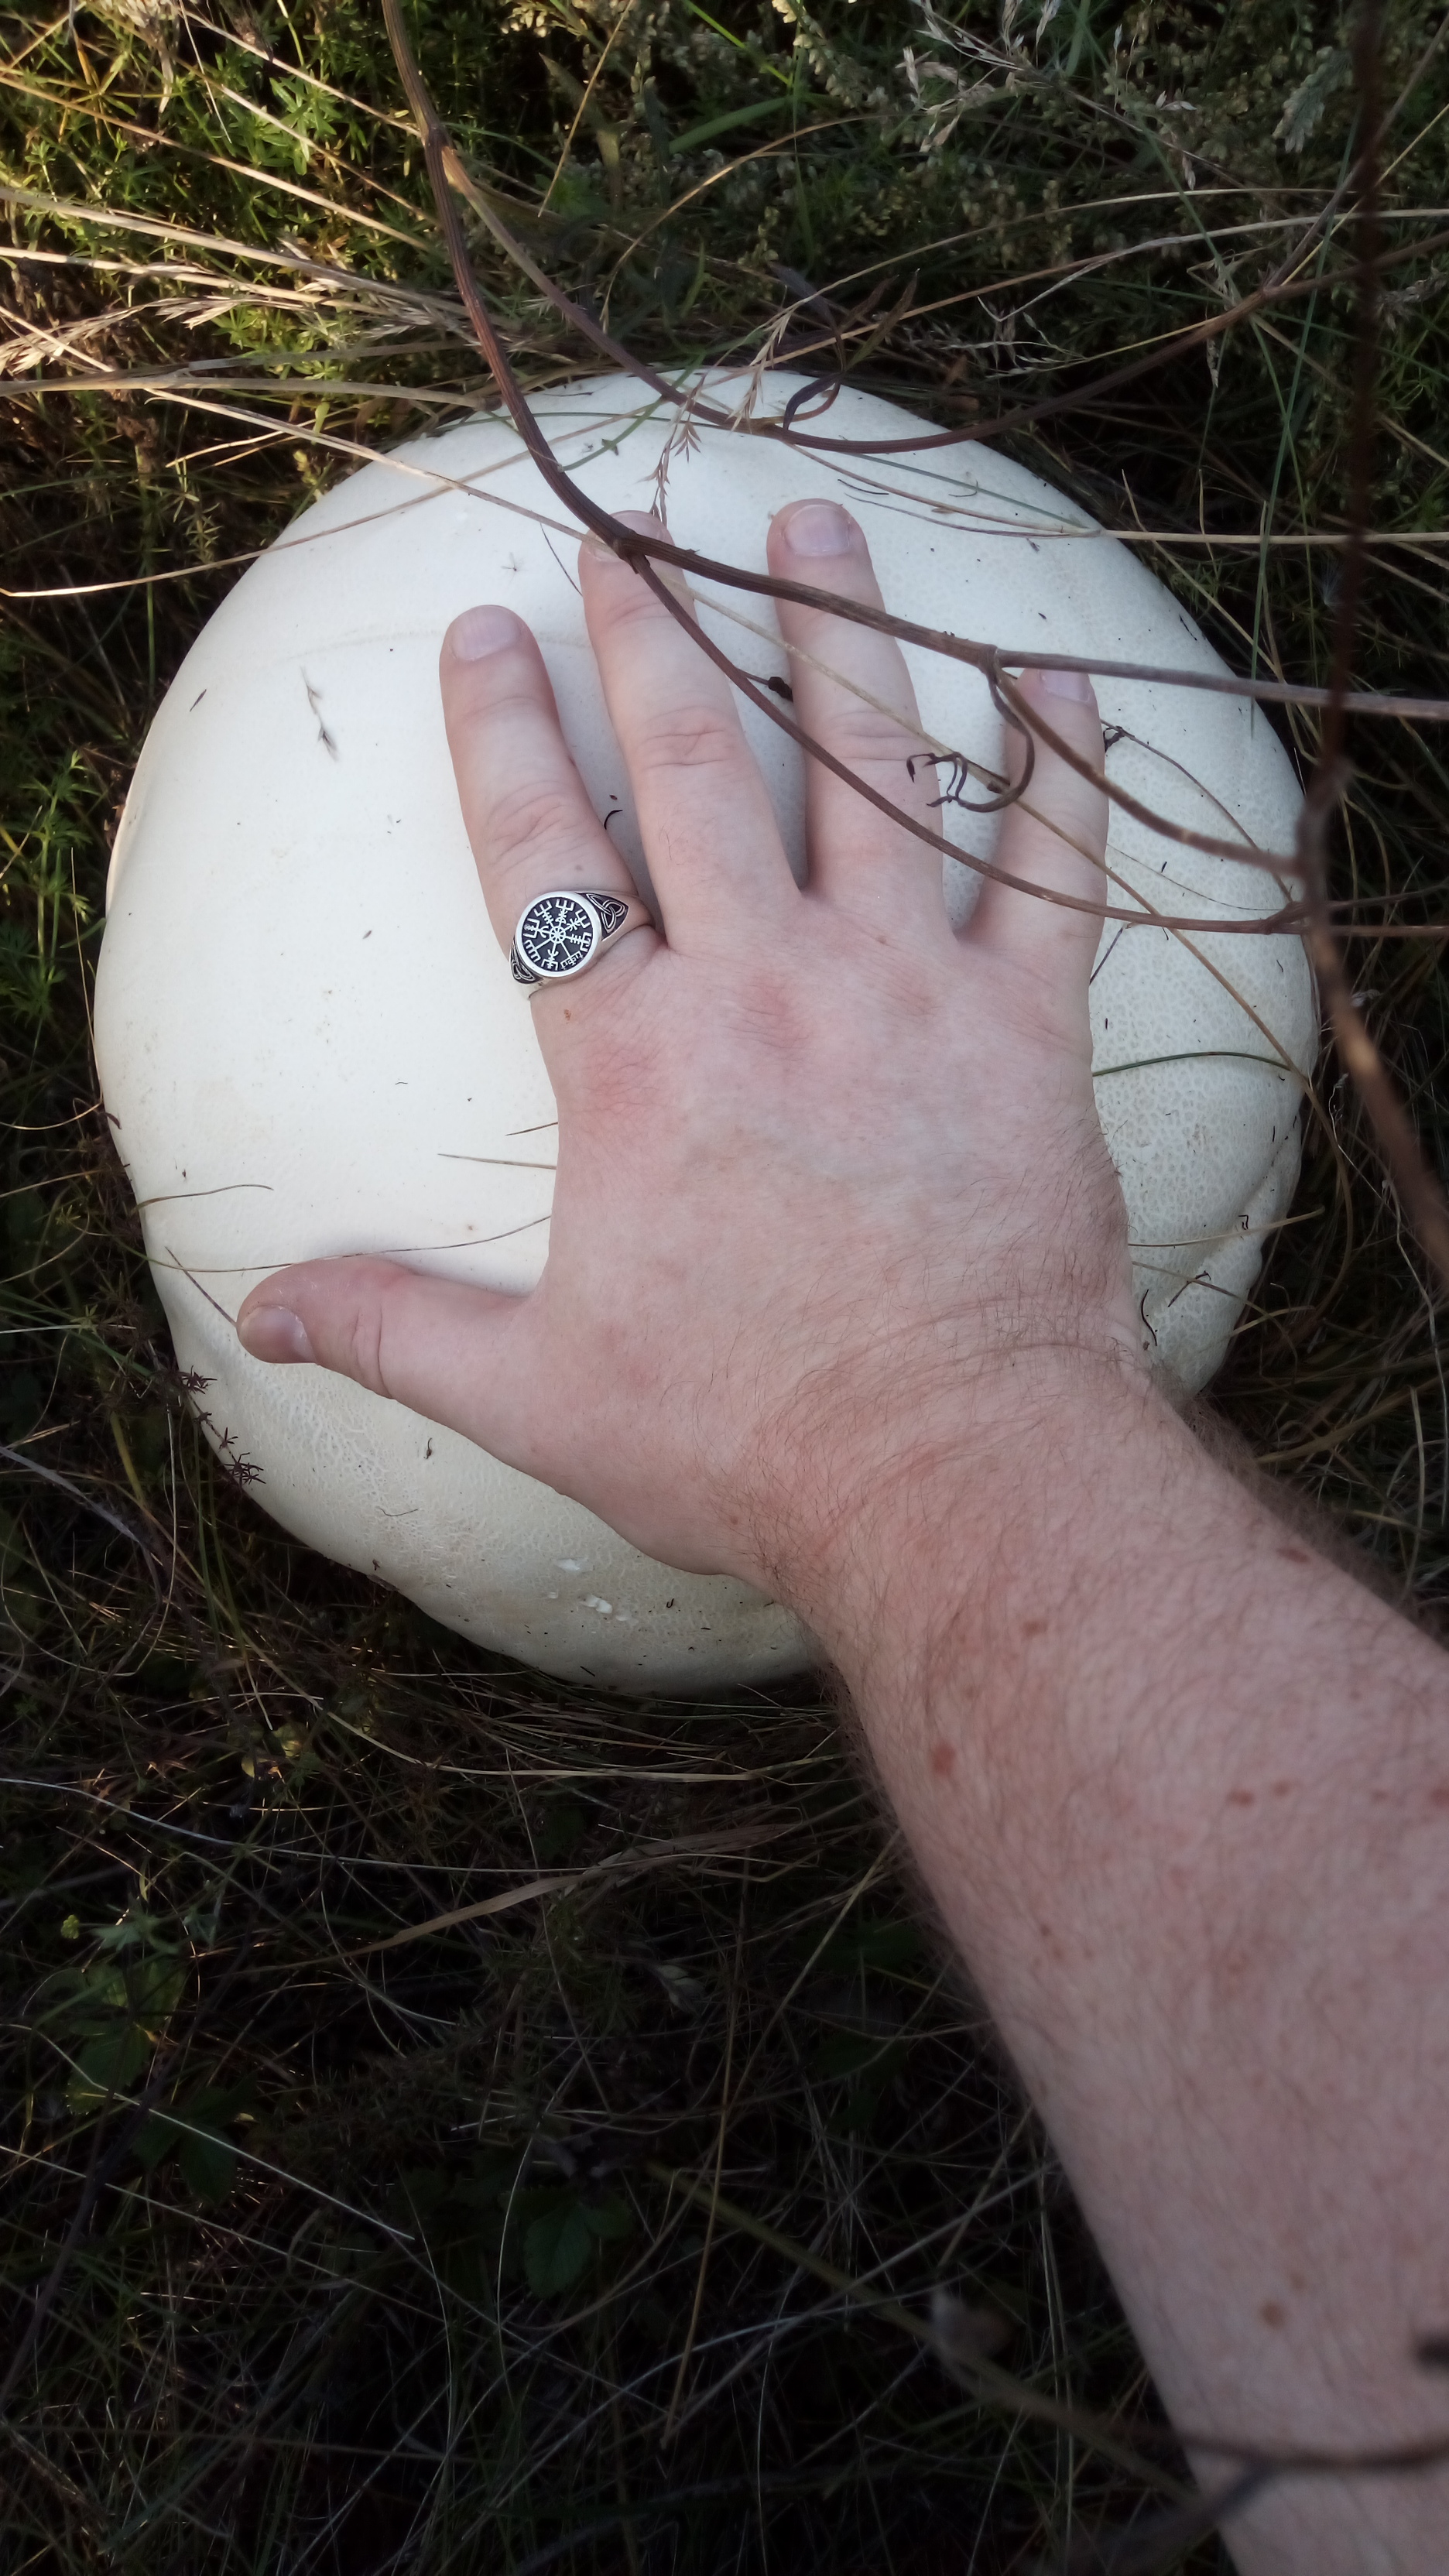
(450, 1352)
(1054, 836)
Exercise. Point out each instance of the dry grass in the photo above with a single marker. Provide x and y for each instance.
(581, 2234)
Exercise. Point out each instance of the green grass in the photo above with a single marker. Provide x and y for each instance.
(337, 2258)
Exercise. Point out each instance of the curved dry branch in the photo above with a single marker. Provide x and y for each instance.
(445, 171)
(1423, 1199)
(1282, 285)
(645, 552)
(646, 555)
(1418, 1189)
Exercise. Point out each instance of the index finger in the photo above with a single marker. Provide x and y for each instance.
(527, 812)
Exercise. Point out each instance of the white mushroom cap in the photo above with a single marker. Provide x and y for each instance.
(310, 1044)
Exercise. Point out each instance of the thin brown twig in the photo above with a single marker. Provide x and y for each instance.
(631, 544)
(1422, 1197)
(631, 547)
(1418, 1190)
(637, 550)
(1282, 283)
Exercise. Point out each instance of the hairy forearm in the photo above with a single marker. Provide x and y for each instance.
(1180, 1788)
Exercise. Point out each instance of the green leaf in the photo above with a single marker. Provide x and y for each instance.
(556, 2249)
(714, 125)
(207, 2161)
(610, 2220)
(106, 2066)
(26, 978)
(1303, 108)
(155, 1988)
(154, 2139)
(106, 1985)
(209, 2164)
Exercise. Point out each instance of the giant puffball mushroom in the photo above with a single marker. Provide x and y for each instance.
(309, 1041)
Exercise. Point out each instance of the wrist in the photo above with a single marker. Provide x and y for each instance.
(913, 1541)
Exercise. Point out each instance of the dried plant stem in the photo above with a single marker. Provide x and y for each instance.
(1423, 1200)
(1418, 1189)
(635, 548)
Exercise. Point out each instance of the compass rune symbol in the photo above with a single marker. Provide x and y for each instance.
(558, 934)
(562, 932)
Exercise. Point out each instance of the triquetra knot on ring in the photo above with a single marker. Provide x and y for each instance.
(564, 932)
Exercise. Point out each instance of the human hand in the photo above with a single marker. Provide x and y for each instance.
(832, 1198)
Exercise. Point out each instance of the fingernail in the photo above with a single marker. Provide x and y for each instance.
(1066, 684)
(481, 631)
(818, 528)
(643, 522)
(274, 1333)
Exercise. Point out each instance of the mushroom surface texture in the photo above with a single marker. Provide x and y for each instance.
(310, 1043)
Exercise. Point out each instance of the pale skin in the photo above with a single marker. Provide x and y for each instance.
(838, 1300)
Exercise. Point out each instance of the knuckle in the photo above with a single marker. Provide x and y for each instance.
(362, 1349)
(867, 739)
(530, 814)
(628, 600)
(694, 737)
(361, 1325)
(499, 701)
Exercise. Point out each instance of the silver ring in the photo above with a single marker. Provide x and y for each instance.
(564, 932)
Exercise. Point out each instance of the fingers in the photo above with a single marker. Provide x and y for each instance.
(862, 707)
(530, 823)
(452, 1353)
(1054, 836)
(708, 826)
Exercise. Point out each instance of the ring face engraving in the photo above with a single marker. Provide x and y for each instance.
(563, 931)
(558, 934)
